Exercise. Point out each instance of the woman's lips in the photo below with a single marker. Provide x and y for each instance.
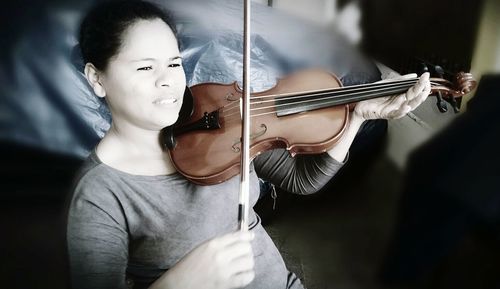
(164, 101)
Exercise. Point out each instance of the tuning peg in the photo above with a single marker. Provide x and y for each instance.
(422, 68)
(454, 104)
(439, 71)
(441, 104)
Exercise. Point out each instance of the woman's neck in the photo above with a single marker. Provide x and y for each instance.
(135, 151)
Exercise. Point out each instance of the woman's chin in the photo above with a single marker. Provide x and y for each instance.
(167, 122)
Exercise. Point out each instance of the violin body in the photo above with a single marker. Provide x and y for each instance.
(210, 156)
(305, 113)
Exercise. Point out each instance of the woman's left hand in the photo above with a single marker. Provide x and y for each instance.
(397, 106)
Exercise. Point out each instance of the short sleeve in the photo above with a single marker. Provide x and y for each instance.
(97, 239)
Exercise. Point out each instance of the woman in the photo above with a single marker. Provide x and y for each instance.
(133, 222)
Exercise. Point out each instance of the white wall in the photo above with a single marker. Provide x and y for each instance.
(487, 50)
(325, 13)
(318, 11)
(409, 132)
(261, 1)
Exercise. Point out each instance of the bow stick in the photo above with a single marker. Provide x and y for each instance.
(244, 195)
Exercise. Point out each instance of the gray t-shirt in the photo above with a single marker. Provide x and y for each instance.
(125, 231)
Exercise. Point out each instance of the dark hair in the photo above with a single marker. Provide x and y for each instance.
(102, 28)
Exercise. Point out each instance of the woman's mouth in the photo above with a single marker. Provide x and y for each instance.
(164, 101)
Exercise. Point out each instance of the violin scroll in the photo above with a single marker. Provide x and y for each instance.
(463, 84)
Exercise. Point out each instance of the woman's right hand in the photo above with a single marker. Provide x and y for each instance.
(224, 262)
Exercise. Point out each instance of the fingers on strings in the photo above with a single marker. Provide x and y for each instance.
(419, 92)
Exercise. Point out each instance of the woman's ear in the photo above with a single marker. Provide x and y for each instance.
(93, 77)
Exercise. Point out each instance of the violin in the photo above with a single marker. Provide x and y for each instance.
(305, 113)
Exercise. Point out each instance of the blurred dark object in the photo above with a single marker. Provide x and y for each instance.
(33, 175)
(434, 32)
(452, 192)
(34, 184)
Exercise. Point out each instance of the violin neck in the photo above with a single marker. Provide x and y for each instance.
(312, 100)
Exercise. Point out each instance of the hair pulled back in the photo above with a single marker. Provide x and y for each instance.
(102, 29)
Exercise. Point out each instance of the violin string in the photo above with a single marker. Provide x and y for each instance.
(235, 116)
(351, 98)
(327, 91)
(351, 88)
(342, 88)
(348, 97)
(329, 96)
(306, 94)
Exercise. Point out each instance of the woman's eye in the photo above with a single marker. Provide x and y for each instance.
(174, 65)
(145, 68)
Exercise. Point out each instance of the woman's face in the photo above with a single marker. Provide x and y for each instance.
(144, 83)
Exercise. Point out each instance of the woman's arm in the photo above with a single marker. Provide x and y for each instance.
(303, 174)
(308, 174)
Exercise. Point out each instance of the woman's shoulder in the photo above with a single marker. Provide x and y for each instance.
(95, 196)
(94, 177)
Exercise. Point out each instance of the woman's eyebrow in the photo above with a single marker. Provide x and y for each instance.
(143, 59)
(154, 59)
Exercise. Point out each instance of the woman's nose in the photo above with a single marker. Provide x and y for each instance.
(163, 79)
